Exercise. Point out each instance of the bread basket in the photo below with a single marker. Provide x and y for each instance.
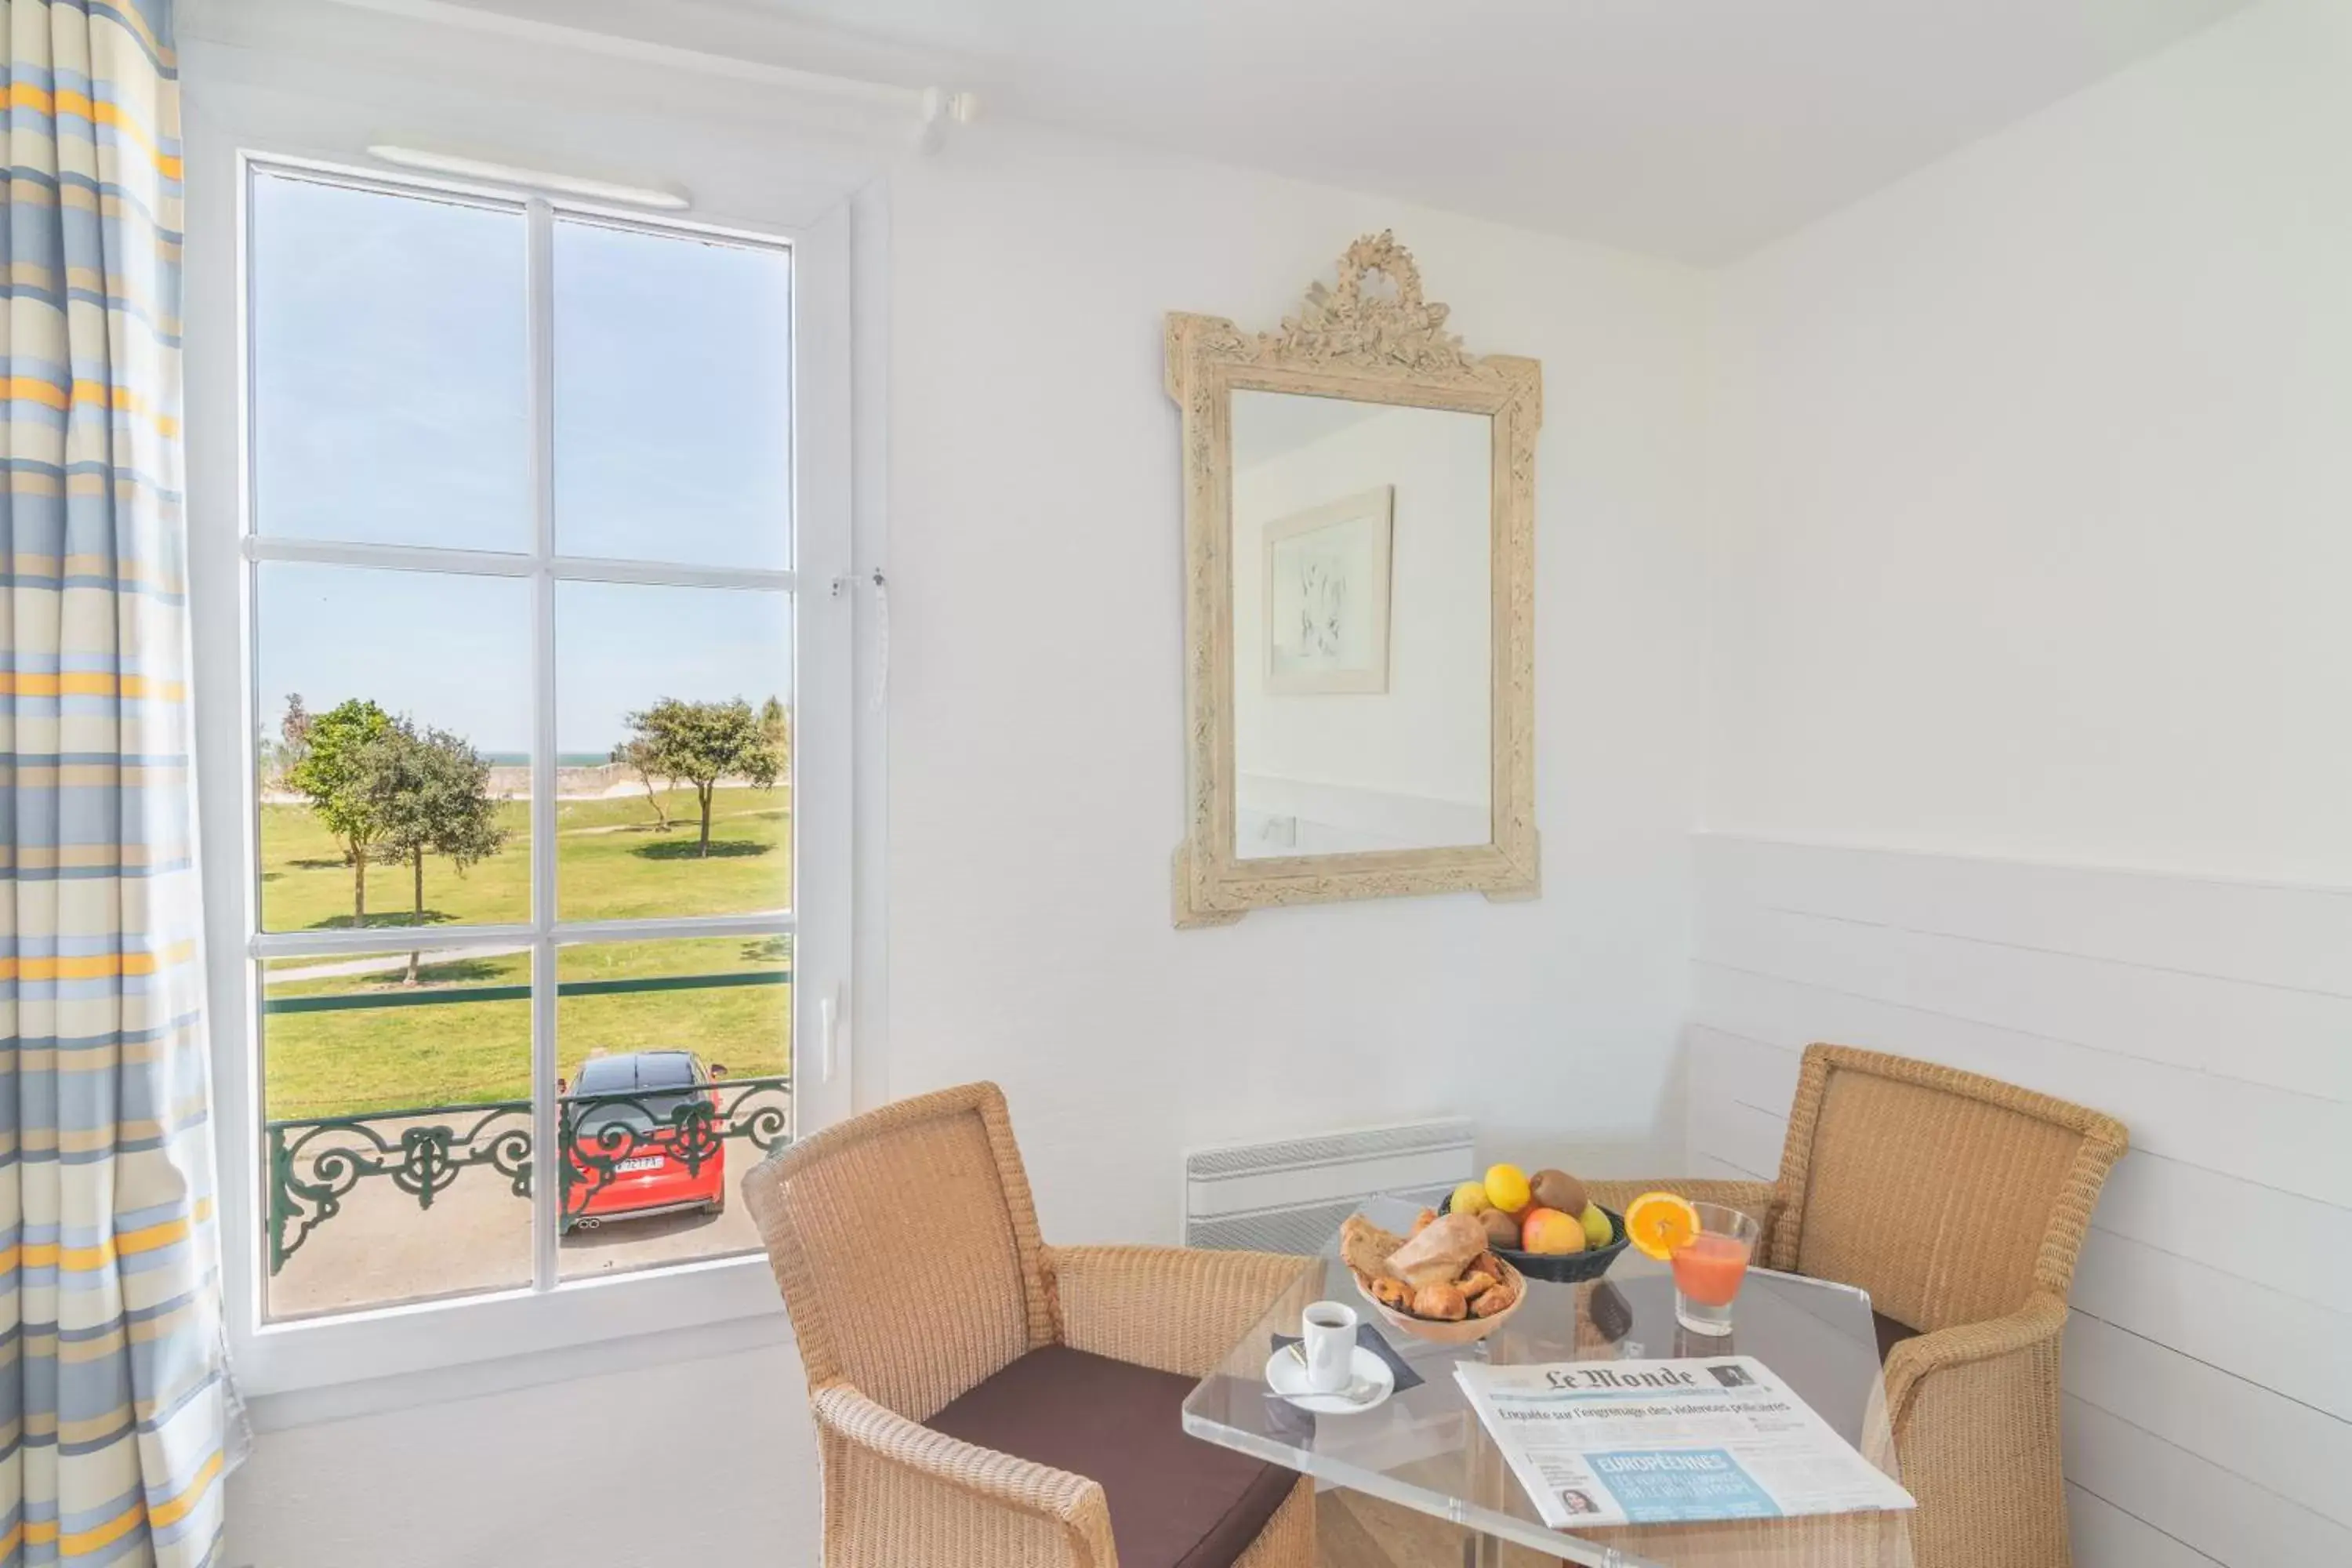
(1467, 1331)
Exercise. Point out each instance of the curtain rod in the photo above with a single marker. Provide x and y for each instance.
(932, 107)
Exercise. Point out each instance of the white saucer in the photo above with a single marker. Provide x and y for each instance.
(1287, 1377)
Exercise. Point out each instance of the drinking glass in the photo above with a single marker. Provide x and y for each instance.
(1710, 1266)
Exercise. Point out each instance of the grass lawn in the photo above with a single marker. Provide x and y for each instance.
(610, 864)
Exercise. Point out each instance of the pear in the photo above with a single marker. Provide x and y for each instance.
(1597, 1228)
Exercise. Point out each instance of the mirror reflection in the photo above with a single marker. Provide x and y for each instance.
(1362, 625)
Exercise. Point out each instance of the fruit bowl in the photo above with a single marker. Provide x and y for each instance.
(1436, 1331)
(1564, 1267)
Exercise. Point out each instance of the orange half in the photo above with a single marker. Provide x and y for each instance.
(1658, 1223)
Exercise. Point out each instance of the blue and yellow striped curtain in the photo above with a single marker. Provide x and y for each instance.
(115, 1411)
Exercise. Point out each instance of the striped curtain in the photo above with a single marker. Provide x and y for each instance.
(115, 1413)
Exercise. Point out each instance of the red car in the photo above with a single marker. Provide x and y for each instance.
(632, 1154)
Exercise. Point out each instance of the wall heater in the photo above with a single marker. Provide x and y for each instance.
(1291, 1195)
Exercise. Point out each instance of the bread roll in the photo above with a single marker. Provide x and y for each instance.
(1438, 1254)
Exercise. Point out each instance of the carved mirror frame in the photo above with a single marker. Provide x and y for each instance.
(1371, 346)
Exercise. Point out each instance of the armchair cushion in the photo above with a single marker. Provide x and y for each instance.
(1175, 1501)
(1890, 1333)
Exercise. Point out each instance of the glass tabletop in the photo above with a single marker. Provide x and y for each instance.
(1425, 1449)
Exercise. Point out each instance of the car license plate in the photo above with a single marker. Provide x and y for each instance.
(642, 1162)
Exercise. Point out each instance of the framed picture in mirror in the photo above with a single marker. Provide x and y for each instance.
(1327, 597)
(1359, 525)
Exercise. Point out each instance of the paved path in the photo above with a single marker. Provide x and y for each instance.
(384, 962)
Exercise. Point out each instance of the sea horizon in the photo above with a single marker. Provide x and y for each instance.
(563, 759)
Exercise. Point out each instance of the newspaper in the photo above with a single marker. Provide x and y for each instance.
(1643, 1442)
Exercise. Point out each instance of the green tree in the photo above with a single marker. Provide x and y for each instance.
(702, 742)
(279, 757)
(637, 757)
(776, 724)
(332, 773)
(430, 793)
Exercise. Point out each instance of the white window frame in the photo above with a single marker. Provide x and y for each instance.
(552, 1314)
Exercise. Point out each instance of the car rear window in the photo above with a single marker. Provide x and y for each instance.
(652, 1079)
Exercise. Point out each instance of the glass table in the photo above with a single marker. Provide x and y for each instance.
(1425, 1449)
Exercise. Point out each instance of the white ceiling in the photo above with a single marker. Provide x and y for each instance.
(1692, 129)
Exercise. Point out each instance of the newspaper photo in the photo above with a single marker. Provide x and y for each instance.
(1642, 1442)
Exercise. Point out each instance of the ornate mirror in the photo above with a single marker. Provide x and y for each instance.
(1359, 602)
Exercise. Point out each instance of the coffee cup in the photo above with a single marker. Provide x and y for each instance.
(1328, 1337)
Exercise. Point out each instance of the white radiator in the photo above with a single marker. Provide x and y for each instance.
(1290, 1195)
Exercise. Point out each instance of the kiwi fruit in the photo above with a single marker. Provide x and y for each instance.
(1559, 1190)
(1502, 1230)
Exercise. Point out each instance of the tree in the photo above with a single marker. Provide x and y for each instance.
(637, 757)
(279, 757)
(429, 791)
(332, 772)
(703, 742)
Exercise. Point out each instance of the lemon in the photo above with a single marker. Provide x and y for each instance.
(1506, 1188)
(1470, 1198)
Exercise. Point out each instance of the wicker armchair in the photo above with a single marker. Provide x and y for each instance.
(906, 1245)
(1958, 1202)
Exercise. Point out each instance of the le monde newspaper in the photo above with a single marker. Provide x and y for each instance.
(1642, 1442)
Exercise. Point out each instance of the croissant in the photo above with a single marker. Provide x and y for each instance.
(1475, 1283)
(1495, 1301)
(1443, 1302)
(1395, 1294)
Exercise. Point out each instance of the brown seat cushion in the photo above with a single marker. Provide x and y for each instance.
(1890, 1333)
(1175, 1501)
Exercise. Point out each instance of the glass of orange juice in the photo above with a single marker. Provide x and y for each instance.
(1710, 1266)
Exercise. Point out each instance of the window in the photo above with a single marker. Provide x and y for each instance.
(530, 685)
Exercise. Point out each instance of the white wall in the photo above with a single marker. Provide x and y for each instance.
(2031, 481)
(2034, 476)
(1011, 317)
(1035, 692)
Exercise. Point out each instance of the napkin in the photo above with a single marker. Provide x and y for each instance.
(1369, 1338)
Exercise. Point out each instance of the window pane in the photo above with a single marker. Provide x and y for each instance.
(390, 374)
(673, 398)
(674, 735)
(676, 1058)
(389, 1079)
(394, 710)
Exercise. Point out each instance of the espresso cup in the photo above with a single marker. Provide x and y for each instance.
(1327, 1334)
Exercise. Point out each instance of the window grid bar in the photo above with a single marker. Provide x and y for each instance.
(510, 564)
(440, 939)
(546, 1190)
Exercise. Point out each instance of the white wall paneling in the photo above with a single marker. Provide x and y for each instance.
(2208, 1399)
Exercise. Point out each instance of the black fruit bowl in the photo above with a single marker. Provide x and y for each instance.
(1566, 1268)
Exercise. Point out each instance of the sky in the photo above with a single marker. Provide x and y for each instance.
(391, 406)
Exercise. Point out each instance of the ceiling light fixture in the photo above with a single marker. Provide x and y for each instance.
(661, 198)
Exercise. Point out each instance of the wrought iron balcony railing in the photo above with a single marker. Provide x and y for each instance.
(316, 1163)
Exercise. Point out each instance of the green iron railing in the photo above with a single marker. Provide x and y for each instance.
(316, 1163)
